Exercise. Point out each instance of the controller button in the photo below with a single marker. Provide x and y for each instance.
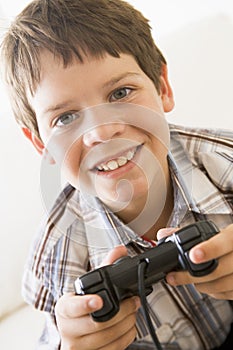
(108, 305)
(188, 234)
(188, 245)
(165, 333)
(91, 279)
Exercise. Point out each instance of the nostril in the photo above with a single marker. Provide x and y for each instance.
(94, 137)
(103, 133)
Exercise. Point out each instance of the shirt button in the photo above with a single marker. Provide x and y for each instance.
(164, 333)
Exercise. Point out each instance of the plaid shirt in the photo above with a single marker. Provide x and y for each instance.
(79, 231)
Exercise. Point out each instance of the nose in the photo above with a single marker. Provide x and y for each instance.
(103, 133)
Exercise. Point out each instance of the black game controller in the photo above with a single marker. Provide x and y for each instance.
(120, 280)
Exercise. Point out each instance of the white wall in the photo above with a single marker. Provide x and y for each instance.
(203, 32)
(166, 15)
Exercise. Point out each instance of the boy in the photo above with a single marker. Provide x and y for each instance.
(89, 88)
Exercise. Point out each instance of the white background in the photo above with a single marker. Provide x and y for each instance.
(166, 15)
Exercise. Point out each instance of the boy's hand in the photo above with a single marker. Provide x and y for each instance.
(79, 331)
(218, 284)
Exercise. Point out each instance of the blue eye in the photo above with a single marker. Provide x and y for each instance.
(120, 93)
(66, 119)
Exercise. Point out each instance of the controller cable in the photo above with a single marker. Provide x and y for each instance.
(142, 293)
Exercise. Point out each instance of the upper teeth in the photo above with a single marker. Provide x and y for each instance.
(118, 162)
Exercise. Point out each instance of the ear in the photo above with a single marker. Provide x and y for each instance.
(37, 143)
(166, 91)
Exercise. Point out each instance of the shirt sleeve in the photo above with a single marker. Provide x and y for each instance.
(49, 339)
(55, 261)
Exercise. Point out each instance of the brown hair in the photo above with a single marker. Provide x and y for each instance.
(71, 29)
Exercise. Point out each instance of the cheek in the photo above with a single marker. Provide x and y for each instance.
(75, 170)
(151, 99)
(71, 162)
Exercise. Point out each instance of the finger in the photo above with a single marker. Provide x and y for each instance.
(123, 341)
(165, 232)
(223, 296)
(105, 337)
(73, 306)
(217, 246)
(114, 255)
(85, 325)
(224, 268)
(127, 307)
(221, 285)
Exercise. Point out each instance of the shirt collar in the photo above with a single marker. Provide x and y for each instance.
(103, 227)
(199, 193)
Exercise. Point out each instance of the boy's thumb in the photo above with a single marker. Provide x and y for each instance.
(115, 254)
(165, 232)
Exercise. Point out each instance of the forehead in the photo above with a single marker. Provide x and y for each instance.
(50, 63)
(79, 79)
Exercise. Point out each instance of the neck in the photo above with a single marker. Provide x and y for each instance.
(163, 218)
(148, 214)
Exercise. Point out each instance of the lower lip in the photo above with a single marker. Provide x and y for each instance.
(123, 169)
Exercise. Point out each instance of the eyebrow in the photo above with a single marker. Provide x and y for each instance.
(111, 82)
(118, 78)
(57, 107)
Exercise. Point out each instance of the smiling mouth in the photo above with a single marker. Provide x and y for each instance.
(118, 162)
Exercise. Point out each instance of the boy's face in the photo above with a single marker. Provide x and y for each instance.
(101, 121)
